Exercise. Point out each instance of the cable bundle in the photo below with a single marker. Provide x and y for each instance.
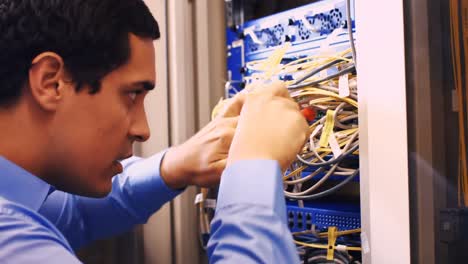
(461, 91)
(325, 87)
(315, 85)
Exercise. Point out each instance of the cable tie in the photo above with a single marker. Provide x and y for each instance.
(343, 85)
(328, 128)
(199, 198)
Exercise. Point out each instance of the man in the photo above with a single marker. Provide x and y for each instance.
(73, 78)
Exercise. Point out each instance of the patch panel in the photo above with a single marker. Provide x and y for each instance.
(309, 29)
(323, 215)
(305, 27)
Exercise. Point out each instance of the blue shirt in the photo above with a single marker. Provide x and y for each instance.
(41, 225)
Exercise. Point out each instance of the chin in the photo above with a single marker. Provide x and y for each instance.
(102, 192)
(82, 184)
(98, 191)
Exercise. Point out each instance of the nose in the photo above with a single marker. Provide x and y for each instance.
(139, 130)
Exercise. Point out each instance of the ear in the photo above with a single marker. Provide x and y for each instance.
(47, 80)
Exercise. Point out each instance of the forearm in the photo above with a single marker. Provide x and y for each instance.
(250, 222)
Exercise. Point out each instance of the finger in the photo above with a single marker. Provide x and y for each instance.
(226, 139)
(231, 122)
(276, 88)
(251, 87)
(280, 89)
(209, 180)
(291, 104)
(219, 166)
(233, 106)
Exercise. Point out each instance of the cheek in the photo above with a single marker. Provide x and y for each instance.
(100, 127)
(86, 159)
(104, 141)
(88, 139)
(87, 134)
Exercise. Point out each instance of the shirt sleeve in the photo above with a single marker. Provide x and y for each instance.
(136, 194)
(250, 221)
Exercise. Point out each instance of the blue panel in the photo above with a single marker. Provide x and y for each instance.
(305, 27)
(344, 216)
(235, 62)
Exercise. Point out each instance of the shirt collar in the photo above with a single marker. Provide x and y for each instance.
(20, 186)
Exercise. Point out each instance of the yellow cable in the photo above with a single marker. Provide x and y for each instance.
(294, 173)
(321, 246)
(456, 55)
(312, 245)
(317, 91)
(462, 107)
(342, 233)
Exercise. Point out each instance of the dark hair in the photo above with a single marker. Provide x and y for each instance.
(90, 35)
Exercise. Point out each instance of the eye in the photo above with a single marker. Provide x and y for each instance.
(133, 94)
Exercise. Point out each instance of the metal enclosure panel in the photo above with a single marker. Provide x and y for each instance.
(196, 59)
(421, 135)
(190, 75)
(210, 62)
(157, 235)
(383, 132)
(182, 121)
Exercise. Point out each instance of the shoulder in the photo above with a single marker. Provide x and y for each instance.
(23, 230)
(11, 212)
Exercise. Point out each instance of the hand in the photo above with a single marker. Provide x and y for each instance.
(270, 127)
(201, 160)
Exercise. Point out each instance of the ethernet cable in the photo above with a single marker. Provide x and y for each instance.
(329, 77)
(354, 148)
(322, 94)
(322, 246)
(316, 70)
(315, 173)
(321, 181)
(328, 191)
(329, 88)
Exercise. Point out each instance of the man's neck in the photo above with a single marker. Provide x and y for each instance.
(21, 139)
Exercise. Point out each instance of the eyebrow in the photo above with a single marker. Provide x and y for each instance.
(147, 85)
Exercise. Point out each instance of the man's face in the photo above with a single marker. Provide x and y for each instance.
(91, 132)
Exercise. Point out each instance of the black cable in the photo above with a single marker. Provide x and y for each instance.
(319, 256)
(338, 74)
(327, 192)
(331, 161)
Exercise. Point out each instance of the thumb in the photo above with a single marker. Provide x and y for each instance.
(275, 88)
(219, 166)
